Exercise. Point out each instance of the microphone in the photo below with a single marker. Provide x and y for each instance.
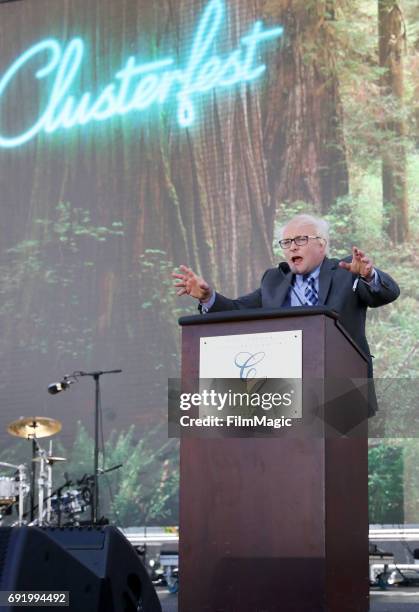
(57, 387)
(284, 268)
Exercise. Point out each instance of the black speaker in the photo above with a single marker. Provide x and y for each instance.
(98, 566)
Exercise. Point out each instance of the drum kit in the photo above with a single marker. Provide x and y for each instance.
(60, 507)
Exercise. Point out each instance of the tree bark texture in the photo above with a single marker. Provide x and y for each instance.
(392, 41)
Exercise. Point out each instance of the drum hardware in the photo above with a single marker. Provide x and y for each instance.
(111, 469)
(46, 461)
(44, 483)
(50, 460)
(23, 491)
(61, 507)
(60, 503)
(52, 505)
(76, 500)
(56, 493)
(64, 384)
(8, 489)
(13, 489)
(8, 465)
(71, 504)
(66, 503)
(33, 428)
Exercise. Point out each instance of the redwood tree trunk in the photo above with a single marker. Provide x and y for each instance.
(304, 142)
(415, 70)
(391, 47)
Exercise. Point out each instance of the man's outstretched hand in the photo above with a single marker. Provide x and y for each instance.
(191, 284)
(360, 264)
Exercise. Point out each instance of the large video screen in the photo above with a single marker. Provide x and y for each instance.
(136, 136)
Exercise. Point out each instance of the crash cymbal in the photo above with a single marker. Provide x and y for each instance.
(34, 427)
(49, 459)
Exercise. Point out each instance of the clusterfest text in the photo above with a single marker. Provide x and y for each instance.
(137, 86)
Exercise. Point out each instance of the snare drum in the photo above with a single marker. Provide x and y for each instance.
(9, 490)
(71, 502)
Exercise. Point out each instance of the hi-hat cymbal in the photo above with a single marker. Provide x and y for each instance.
(49, 459)
(34, 427)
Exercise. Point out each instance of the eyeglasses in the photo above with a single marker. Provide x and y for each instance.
(299, 241)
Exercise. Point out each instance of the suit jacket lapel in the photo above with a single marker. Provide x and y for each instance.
(325, 279)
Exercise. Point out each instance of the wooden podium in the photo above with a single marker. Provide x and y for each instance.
(277, 524)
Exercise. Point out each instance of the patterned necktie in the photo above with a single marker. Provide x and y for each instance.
(310, 292)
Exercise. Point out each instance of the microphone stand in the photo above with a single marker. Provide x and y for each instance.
(96, 376)
(33, 476)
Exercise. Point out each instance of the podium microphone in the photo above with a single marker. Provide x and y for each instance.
(284, 268)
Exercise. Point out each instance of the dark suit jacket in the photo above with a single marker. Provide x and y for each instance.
(335, 292)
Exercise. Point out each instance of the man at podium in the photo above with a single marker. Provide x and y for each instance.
(307, 277)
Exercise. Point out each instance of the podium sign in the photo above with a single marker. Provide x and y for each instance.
(246, 356)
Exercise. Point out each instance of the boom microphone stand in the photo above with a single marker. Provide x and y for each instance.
(96, 376)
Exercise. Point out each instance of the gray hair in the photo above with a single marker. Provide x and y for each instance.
(321, 226)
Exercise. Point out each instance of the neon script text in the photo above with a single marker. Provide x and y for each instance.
(136, 86)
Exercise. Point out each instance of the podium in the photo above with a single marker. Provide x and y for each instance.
(277, 524)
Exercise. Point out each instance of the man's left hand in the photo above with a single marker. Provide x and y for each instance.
(360, 264)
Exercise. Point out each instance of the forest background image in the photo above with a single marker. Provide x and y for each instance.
(94, 225)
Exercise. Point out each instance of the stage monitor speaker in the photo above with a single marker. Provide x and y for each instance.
(98, 566)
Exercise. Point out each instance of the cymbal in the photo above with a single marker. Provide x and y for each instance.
(34, 427)
(50, 459)
(9, 465)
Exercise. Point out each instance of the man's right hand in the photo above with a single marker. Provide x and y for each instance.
(189, 283)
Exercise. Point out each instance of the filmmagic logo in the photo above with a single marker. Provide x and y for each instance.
(235, 421)
(138, 86)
